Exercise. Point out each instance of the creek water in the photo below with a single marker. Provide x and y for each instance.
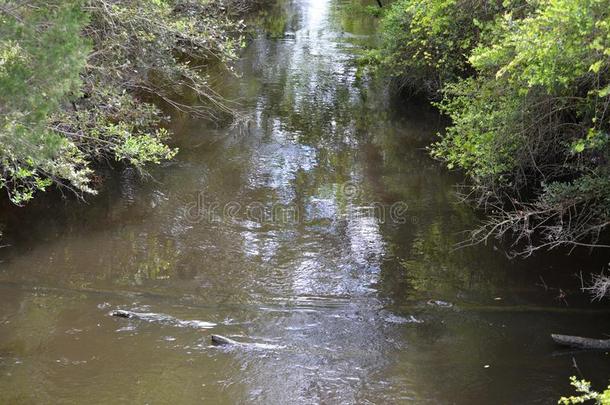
(321, 234)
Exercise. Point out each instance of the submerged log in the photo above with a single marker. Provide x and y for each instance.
(224, 341)
(162, 318)
(122, 314)
(581, 342)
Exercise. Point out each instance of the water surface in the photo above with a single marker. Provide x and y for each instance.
(321, 233)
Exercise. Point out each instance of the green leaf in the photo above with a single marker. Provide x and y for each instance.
(595, 68)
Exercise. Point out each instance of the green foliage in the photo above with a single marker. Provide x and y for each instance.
(35, 80)
(562, 41)
(479, 111)
(527, 87)
(425, 43)
(586, 394)
(534, 117)
(74, 76)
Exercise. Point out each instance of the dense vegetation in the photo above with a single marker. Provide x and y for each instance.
(527, 87)
(78, 79)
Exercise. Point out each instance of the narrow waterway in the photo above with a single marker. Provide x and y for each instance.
(320, 233)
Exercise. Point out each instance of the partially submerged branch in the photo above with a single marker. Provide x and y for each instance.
(599, 287)
(546, 224)
(581, 342)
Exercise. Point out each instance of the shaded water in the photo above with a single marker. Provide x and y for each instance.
(322, 234)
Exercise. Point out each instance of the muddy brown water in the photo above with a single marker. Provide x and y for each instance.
(321, 234)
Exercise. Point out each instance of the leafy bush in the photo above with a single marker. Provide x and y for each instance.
(527, 87)
(586, 394)
(534, 119)
(425, 43)
(74, 77)
(35, 80)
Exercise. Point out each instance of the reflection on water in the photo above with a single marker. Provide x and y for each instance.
(334, 305)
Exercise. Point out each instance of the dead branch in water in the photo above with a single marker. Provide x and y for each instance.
(581, 342)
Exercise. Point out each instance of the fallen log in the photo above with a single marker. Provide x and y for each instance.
(581, 342)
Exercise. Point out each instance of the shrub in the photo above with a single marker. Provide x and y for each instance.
(531, 126)
(75, 77)
(425, 43)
